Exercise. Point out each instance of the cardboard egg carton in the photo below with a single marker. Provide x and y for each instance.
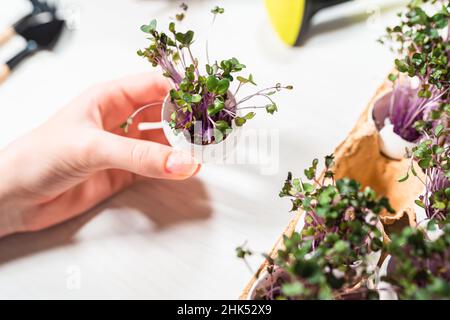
(358, 157)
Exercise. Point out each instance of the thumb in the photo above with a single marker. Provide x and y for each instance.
(145, 158)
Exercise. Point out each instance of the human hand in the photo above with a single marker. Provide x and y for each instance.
(79, 157)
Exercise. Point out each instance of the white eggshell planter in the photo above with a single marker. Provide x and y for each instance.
(385, 290)
(391, 144)
(212, 153)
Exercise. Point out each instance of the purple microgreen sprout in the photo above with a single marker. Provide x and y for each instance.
(199, 96)
(419, 269)
(432, 155)
(329, 258)
(423, 41)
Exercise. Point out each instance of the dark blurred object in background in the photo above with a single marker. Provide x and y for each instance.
(292, 18)
(29, 20)
(42, 6)
(41, 29)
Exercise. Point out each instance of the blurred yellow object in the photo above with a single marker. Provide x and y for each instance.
(291, 18)
(286, 16)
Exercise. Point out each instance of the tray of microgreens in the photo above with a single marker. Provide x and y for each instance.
(374, 223)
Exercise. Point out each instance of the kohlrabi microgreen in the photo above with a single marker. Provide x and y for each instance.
(329, 257)
(201, 95)
(419, 268)
(337, 207)
(432, 155)
(422, 39)
(422, 115)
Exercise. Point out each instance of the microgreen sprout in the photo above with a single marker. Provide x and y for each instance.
(432, 155)
(419, 268)
(199, 95)
(329, 257)
(242, 252)
(423, 41)
(336, 207)
(422, 115)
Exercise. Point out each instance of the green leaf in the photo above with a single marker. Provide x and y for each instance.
(431, 226)
(172, 27)
(222, 125)
(310, 173)
(292, 289)
(251, 80)
(424, 163)
(187, 97)
(249, 115)
(174, 94)
(180, 16)
(196, 98)
(242, 79)
(223, 86)
(392, 77)
(150, 27)
(308, 187)
(241, 252)
(341, 246)
(420, 204)
(190, 76)
(329, 161)
(189, 37)
(245, 80)
(424, 94)
(209, 70)
(217, 10)
(438, 130)
(240, 121)
(271, 108)
(404, 178)
(215, 108)
(212, 83)
(185, 38)
(401, 65)
(447, 192)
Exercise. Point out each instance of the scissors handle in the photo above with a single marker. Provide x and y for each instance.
(4, 72)
(11, 64)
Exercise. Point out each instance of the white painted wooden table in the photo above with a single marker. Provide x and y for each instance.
(176, 240)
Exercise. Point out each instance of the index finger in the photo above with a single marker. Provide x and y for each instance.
(125, 95)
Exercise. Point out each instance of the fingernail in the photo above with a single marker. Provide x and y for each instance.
(181, 163)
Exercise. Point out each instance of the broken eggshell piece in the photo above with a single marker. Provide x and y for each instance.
(385, 289)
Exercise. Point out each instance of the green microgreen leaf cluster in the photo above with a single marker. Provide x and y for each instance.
(330, 258)
(202, 96)
(419, 269)
(432, 155)
(330, 255)
(422, 41)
